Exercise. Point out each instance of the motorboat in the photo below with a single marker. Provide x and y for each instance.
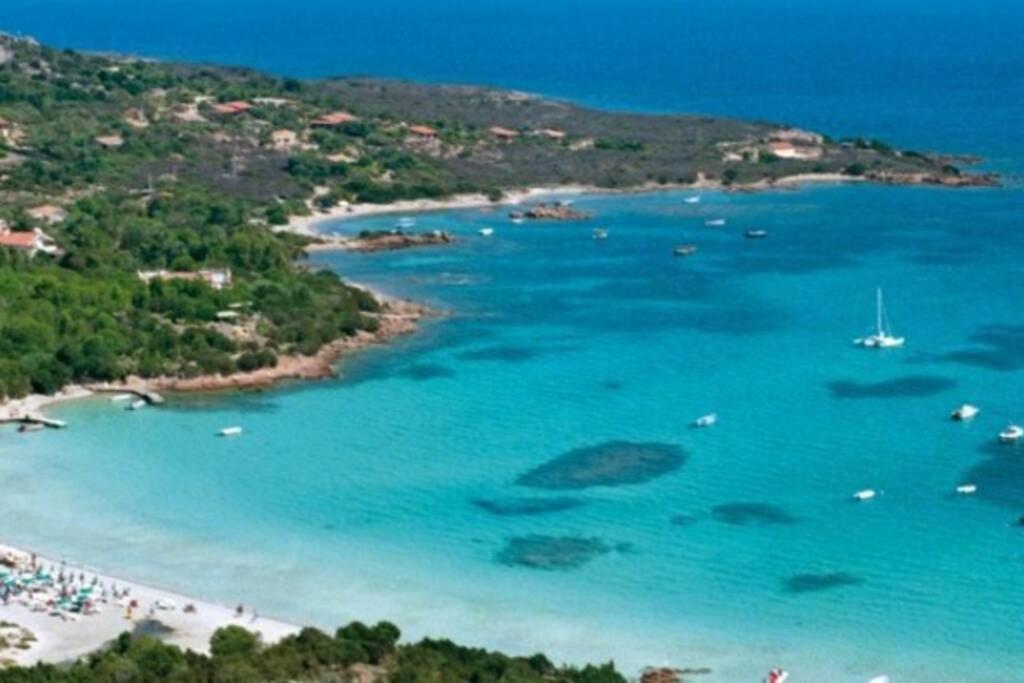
(966, 489)
(486, 232)
(1011, 433)
(117, 398)
(685, 250)
(777, 676)
(865, 494)
(965, 412)
(600, 234)
(692, 199)
(706, 420)
(715, 222)
(756, 234)
(230, 431)
(137, 404)
(883, 337)
(405, 223)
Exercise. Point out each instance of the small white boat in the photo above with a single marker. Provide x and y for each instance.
(879, 679)
(883, 337)
(405, 223)
(517, 221)
(706, 420)
(137, 404)
(715, 222)
(230, 431)
(1011, 433)
(965, 412)
(692, 199)
(756, 234)
(600, 234)
(117, 398)
(685, 250)
(865, 494)
(486, 232)
(966, 489)
(777, 676)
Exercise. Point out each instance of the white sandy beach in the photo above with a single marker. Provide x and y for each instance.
(307, 225)
(59, 640)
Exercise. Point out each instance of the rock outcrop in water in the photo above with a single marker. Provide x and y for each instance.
(551, 552)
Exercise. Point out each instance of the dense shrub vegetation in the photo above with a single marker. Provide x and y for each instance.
(238, 656)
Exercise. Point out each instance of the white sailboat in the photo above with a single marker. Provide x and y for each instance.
(883, 337)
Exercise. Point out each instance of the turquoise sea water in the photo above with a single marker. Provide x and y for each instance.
(392, 492)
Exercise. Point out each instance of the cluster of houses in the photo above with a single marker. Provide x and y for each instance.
(788, 143)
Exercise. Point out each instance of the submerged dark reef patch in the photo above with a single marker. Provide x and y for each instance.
(424, 371)
(1000, 476)
(613, 463)
(551, 552)
(508, 354)
(812, 583)
(997, 347)
(514, 507)
(900, 387)
(752, 514)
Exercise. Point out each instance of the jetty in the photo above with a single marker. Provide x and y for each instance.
(33, 419)
(150, 397)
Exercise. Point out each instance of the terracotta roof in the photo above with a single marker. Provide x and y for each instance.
(781, 146)
(18, 240)
(336, 118)
(425, 131)
(500, 132)
(236, 107)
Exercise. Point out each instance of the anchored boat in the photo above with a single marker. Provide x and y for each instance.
(685, 250)
(883, 337)
(965, 412)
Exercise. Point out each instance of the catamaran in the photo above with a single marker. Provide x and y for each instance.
(883, 337)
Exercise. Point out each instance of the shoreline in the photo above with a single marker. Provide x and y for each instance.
(307, 225)
(58, 639)
(401, 318)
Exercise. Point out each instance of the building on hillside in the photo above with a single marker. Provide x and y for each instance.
(31, 241)
(6, 130)
(109, 141)
(232, 108)
(47, 213)
(504, 134)
(136, 117)
(423, 131)
(284, 139)
(217, 278)
(553, 134)
(787, 150)
(333, 119)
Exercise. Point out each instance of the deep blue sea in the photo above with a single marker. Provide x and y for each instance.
(398, 490)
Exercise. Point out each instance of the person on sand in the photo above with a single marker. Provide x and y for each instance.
(239, 611)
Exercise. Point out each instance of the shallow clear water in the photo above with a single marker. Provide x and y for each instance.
(374, 496)
(355, 498)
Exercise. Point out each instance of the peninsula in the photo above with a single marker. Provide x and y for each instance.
(148, 210)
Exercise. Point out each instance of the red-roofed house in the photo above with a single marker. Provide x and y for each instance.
(32, 241)
(232, 108)
(335, 118)
(423, 131)
(503, 133)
